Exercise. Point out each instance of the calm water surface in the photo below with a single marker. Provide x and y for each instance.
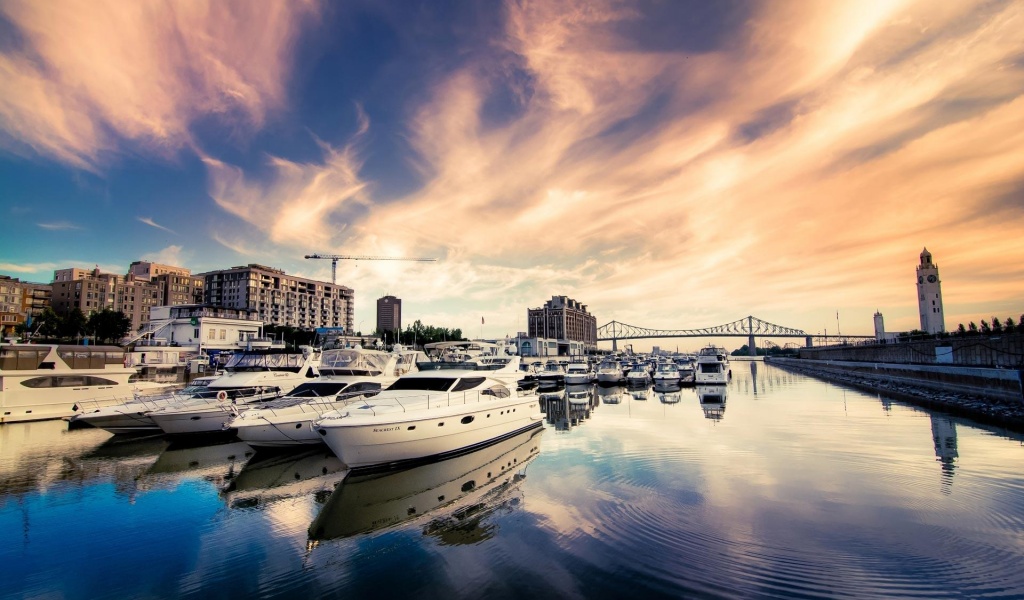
(788, 487)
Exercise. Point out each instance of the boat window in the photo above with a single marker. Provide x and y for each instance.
(498, 391)
(13, 359)
(66, 381)
(430, 384)
(467, 383)
(353, 362)
(252, 361)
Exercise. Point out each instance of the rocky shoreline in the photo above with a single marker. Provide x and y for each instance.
(991, 411)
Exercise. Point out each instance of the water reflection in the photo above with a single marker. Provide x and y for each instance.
(712, 400)
(274, 476)
(217, 462)
(944, 437)
(458, 493)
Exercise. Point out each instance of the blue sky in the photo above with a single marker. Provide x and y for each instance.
(670, 164)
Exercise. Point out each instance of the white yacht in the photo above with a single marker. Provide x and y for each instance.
(55, 381)
(578, 373)
(610, 372)
(251, 376)
(712, 366)
(712, 401)
(424, 415)
(666, 372)
(638, 376)
(133, 417)
(288, 421)
(553, 373)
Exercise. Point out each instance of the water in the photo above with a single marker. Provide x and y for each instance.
(790, 488)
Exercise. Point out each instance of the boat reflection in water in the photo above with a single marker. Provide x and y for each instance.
(217, 463)
(279, 475)
(668, 393)
(569, 408)
(712, 400)
(610, 395)
(457, 492)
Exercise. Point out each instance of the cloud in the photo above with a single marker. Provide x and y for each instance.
(171, 255)
(59, 226)
(296, 204)
(801, 165)
(28, 268)
(91, 75)
(151, 223)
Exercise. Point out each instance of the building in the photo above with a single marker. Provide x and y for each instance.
(929, 295)
(280, 299)
(147, 271)
(95, 291)
(176, 288)
(12, 302)
(389, 314)
(567, 321)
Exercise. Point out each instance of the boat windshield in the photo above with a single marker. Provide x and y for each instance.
(318, 389)
(667, 368)
(353, 362)
(251, 361)
(430, 384)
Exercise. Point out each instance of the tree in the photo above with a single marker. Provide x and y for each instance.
(961, 330)
(73, 324)
(972, 328)
(48, 324)
(985, 328)
(997, 327)
(108, 325)
(1010, 326)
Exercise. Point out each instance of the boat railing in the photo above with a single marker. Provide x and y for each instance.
(317, 404)
(417, 402)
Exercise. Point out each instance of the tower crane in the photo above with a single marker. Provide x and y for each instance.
(334, 258)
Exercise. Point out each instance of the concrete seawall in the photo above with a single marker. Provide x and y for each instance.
(986, 394)
(1003, 350)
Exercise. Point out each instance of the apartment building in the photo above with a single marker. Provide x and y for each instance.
(565, 320)
(279, 298)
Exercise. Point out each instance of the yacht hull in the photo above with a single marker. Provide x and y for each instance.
(415, 435)
(208, 420)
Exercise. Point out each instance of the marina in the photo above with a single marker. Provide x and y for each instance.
(774, 484)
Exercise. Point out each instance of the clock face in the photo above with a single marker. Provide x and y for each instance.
(920, 279)
(931, 279)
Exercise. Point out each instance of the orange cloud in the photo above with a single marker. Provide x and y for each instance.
(89, 74)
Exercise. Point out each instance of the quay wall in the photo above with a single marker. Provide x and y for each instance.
(986, 394)
(1005, 350)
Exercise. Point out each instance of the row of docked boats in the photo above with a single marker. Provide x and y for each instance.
(370, 408)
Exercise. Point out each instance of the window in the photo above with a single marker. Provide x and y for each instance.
(213, 334)
(223, 334)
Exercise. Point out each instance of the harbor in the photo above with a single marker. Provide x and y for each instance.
(783, 482)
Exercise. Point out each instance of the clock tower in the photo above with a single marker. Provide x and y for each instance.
(929, 295)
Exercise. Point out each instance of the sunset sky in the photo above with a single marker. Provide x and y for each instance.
(671, 164)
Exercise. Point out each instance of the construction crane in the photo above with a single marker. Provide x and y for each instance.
(334, 258)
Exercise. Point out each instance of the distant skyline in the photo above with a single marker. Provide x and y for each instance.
(670, 164)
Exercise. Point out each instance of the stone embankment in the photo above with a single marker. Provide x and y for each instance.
(992, 396)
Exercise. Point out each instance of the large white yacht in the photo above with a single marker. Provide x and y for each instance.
(251, 376)
(712, 366)
(54, 381)
(578, 373)
(666, 372)
(346, 375)
(133, 417)
(427, 415)
(610, 371)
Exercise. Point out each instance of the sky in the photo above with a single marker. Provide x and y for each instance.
(670, 164)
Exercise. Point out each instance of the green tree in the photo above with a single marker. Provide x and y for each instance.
(961, 330)
(47, 325)
(997, 327)
(972, 328)
(1010, 326)
(108, 325)
(985, 328)
(73, 324)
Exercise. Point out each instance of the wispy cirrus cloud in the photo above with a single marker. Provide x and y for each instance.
(149, 221)
(58, 226)
(171, 255)
(27, 268)
(89, 75)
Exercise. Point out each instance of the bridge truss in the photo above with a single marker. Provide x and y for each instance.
(749, 327)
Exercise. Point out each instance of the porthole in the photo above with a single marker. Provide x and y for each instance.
(441, 424)
(410, 428)
(298, 425)
(467, 420)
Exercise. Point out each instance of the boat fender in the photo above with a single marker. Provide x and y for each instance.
(222, 395)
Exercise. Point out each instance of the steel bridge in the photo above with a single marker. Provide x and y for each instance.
(749, 327)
